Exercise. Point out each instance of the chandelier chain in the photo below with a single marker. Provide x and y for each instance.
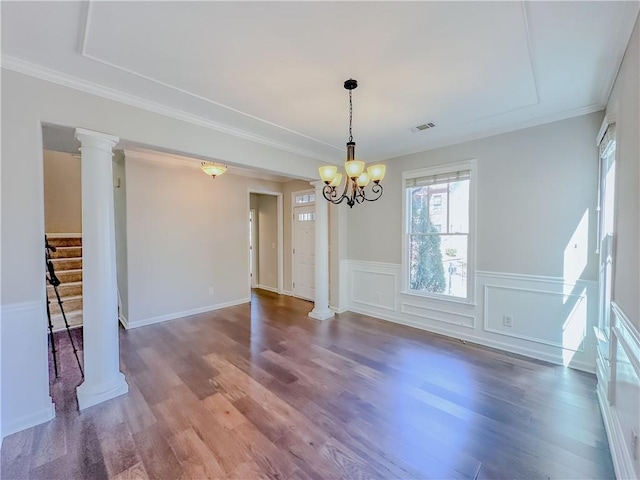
(350, 117)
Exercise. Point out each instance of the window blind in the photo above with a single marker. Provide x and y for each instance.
(438, 179)
(607, 139)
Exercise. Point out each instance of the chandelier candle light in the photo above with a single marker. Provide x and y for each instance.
(356, 178)
(212, 168)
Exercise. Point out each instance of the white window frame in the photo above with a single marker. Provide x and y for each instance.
(470, 165)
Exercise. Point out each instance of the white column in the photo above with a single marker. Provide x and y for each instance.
(321, 310)
(338, 257)
(102, 377)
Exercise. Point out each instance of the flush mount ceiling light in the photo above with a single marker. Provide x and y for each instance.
(212, 168)
(356, 178)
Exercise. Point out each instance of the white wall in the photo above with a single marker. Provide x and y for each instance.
(619, 375)
(536, 261)
(120, 219)
(27, 103)
(62, 193)
(187, 233)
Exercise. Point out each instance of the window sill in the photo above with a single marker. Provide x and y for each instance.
(440, 298)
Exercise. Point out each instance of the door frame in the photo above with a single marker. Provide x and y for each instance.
(252, 247)
(293, 230)
(280, 209)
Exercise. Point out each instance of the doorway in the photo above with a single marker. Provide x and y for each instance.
(265, 241)
(303, 254)
(63, 256)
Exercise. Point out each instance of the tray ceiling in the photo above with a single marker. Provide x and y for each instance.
(273, 71)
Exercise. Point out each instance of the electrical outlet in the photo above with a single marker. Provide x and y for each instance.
(210, 290)
(507, 320)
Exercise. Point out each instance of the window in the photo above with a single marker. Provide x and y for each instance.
(307, 217)
(438, 244)
(305, 198)
(436, 204)
(606, 232)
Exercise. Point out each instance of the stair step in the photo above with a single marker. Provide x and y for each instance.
(65, 290)
(64, 241)
(60, 264)
(70, 304)
(67, 252)
(74, 319)
(69, 276)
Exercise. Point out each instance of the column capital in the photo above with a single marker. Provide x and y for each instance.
(84, 135)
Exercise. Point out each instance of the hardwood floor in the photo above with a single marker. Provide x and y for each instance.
(263, 391)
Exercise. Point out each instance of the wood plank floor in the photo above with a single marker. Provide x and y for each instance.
(262, 391)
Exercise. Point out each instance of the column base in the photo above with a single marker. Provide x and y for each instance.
(321, 314)
(89, 396)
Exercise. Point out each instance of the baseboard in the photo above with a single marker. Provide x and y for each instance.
(90, 395)
(17, 425)
(288, 293)
(124, 321)
(269, 289)
(172, 316)
(338, 309)
(622, 462)
(526, 352)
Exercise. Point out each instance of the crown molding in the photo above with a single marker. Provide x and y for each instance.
(164, 158)
(172, 159)
(65, 80)
(59, 78)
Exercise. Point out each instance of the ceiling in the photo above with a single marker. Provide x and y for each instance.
(273, 71)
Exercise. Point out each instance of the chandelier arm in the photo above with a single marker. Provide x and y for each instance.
(359, 194)
(329, 193)
(344, 195)
(377, 191)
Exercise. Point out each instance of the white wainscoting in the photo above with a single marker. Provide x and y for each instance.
(25, 367)
(552, 320)
(619, 394)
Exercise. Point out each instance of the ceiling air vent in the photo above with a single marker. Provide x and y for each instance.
(424, 126)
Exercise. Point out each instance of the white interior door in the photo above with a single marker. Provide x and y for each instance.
(304, 227)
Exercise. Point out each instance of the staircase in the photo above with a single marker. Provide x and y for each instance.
(67, 262)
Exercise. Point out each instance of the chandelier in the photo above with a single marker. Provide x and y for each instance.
(212, 168)
(356, 179)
